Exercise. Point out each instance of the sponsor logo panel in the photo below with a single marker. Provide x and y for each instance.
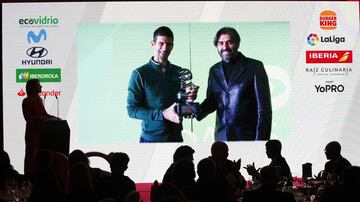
(47, 93)
(31, 36)
(313, 39)
(41, 21)
(329, 56)
(44, 75)
(329, 87)
(328, 20)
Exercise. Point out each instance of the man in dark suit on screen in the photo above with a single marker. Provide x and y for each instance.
(238, 89)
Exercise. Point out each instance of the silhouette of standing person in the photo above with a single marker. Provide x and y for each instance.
(34, 112)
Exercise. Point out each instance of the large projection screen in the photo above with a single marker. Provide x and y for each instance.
(312, 61)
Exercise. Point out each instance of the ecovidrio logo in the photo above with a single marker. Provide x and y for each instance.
(328, 20)
(39, 21)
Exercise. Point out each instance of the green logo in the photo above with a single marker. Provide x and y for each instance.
(44, 75)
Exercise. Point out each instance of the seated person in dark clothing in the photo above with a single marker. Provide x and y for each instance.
(267, 192)
(96, 173)
(117, 186)
(227, 171)
(8, 175)
(273, 151)
(181, 152)
(336, 164)
(205, 188)
(348, 191)
(80, 184)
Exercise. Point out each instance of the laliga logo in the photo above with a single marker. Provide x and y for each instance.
(328, 20)
(312, 39)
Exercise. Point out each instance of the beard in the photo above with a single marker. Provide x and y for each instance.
(227, 55)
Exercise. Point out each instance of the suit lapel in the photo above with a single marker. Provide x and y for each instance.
(220, 76)
(237, 71)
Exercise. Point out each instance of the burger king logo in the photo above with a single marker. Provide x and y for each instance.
(328, 20)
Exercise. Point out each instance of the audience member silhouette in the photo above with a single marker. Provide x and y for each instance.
(96, 173)
(181, 152)
(46, 187)
(348, 191)
(117, 185)
(184, 174)
(273, 151)
(8, 175)
(227, 171)
(206, 188)
(166, 192)
(337, 163)
(269, 179)
(80, 184)
(34, 112)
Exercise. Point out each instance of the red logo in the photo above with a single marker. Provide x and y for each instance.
(328, 20)
(21, 93)
(333, 56)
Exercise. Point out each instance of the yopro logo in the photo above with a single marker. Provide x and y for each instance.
(329, 88)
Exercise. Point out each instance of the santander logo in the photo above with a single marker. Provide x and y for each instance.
(21, 93)
(52, 93)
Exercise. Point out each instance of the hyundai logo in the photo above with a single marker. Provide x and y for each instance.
(37, 52)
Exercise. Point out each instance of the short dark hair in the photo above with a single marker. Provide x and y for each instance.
(273, 146)
(333, 147)
(119, 160)
(184, 151)
(163, 31)
(227, 30)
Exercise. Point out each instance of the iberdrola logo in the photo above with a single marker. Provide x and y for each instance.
(313, 39)
(24, 76)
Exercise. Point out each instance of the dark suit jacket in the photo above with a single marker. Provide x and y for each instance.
(243, 105)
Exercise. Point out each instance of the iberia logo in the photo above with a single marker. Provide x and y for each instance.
(21, 93)
(329, 56)
(328, 20)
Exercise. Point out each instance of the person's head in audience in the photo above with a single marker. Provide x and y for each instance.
(206, 169)
(78, 156)
(273, 148)
(219, 151)
(332, 150)
(184, 151)
(119, 163)
(269, 176)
